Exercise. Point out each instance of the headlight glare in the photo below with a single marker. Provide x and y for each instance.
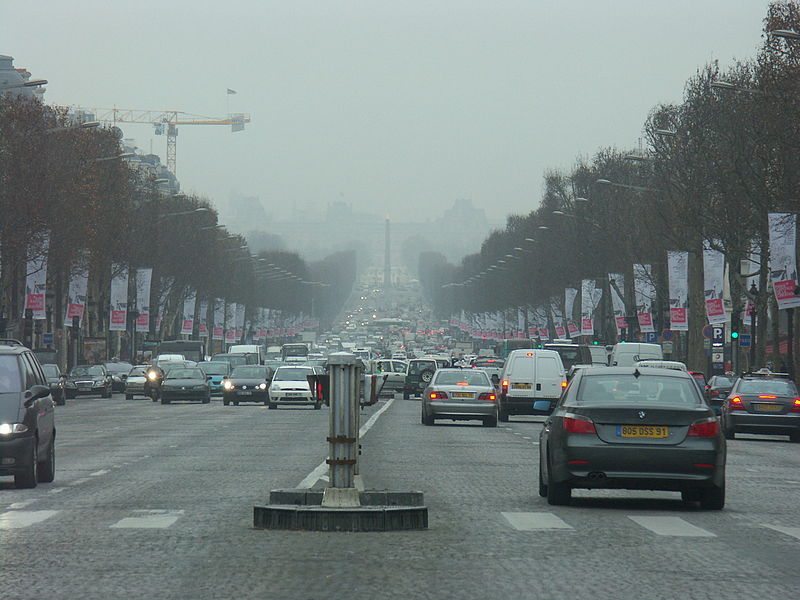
(9, 428)
(227, 384)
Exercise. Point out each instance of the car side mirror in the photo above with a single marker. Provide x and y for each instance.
(36, 392)
(123, 376)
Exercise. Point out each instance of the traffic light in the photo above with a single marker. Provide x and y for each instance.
(734, 328)
(734, 335)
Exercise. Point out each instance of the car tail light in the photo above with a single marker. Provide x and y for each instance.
(737, 404)
(319, 390)
(438, 395)
(578, 425)
(768, 396)
(706, 428)
(563, 385)
(796, 405)
(487, 396)
(504, 385)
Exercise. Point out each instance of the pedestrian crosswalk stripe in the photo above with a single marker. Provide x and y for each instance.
(673, 526)
(534, 521)
(149, 519)
(792, 531)
(17, 519)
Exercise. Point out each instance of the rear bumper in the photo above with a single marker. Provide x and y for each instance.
(462, 409)
(516, 405)
(764, 423)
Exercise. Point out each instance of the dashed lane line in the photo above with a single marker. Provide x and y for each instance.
(149, 519)
(17, 519)
(534, 521)
(671, 526)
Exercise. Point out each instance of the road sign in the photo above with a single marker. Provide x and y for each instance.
(744, 340)
(47, 339)
(716, 357)
(707, 331)
(717, 333)
(651, 337)
(666, 335)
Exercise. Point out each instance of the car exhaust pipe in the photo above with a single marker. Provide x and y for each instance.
(597, 475)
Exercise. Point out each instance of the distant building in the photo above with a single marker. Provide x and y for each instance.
(12, 80)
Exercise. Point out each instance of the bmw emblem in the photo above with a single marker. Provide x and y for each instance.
(642, 414)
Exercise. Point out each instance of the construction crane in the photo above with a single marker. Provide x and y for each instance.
(165, 122)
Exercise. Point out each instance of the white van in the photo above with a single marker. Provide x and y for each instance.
(530, 383)
(247, 349)
(626, 354)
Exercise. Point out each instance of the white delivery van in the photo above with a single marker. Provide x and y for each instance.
(248, 349)
(626, 354)
(530, 383)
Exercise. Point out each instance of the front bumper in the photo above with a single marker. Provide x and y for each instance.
(15, 453)
(299, 398)
(85, 389)
(248, 395)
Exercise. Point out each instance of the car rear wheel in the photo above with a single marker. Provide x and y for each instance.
(107, 392)
(713, 498)
(427, 419)
(502, 414)
(558, 494)
(27, 478)
(47, 469)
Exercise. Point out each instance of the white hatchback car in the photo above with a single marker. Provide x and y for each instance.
(290, 386)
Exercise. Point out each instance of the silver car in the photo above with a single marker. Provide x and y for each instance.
(460, 394)
(135, 382)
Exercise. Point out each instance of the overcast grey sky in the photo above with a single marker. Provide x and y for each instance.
(395, 107)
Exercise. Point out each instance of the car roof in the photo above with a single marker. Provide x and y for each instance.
(595, 371)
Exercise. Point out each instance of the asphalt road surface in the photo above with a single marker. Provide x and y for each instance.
(155, 501)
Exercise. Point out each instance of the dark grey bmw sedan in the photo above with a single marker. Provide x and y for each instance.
(633, 428)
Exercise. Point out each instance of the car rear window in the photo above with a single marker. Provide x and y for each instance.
(250, 372)
(463, 378)
(783, 387)
(10, 379)
(600, 389)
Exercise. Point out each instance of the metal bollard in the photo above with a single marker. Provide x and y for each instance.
(345, 389)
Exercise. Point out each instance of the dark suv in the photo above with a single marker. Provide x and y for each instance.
(418, 375)
(27, 418)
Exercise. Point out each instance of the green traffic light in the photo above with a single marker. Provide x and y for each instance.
(734, 335)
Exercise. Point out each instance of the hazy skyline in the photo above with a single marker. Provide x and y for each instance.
(395, 108)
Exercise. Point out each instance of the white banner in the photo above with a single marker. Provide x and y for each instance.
(119, 298)
(587, 306)
(187, 323)
(36, 276)
(144, 278)
(202, 325)
(783, 258)
(239, 322)
(644, 292)
(678, 271)
(557, 314)
(714, 285)
(616, 283)
(569, 307)
(219, 320)
(230, 322)
(78, 288)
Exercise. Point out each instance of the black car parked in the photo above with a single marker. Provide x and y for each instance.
(27, 418)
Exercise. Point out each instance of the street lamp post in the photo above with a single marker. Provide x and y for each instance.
(753, 310)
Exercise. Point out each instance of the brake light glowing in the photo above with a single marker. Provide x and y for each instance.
(462, 383)
(768, 396)
(438, 395)
(573, 425)
(489, 397)
(504, 385)
(563, 385)
(737, 404)
(796, 405)
(704, 429)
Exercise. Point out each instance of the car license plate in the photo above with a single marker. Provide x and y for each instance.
(85, 389)
(292, 394)
(768, 407)
(462, 395)
(642, 431)
(521, 386)
(246, 393)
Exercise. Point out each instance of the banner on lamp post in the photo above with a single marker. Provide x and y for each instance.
(219, 320)
(78, 288)
(783, 258)
(187, 323)
(119, 298)
(714, 285)
(587, 307)
(36, 276)
(678, 271)
(202, 325)
(230, 322)
(617, 290)
(644, 292)
(569, 306)
(143, 280)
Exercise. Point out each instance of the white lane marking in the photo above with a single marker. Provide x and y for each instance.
(673, 526)
(534, 521)
(322, 469)
(55, 490)
(98, 473)
(80, 481)
(17, 519)
(149, 519)
(23, 504)
(792, 531)
(525, 437)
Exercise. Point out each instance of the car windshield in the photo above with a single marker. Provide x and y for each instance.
(782, 387)
(84, 371)
(215, 368)
(625, 388)
(233, 360)
(185, 374)
(292, 374)
(250, 372)
(50, 370)
(10, 380)
(461, 378)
